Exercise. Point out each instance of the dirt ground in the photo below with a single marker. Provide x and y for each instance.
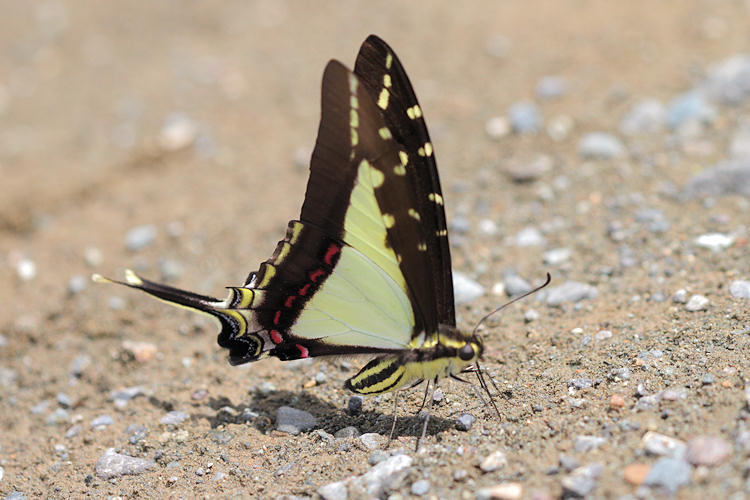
(197, 118)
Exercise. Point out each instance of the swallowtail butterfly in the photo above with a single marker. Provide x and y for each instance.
(366, 269)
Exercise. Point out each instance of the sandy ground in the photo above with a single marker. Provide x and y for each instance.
(196, 118)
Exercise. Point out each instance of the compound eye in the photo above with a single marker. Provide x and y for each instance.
(466, 352)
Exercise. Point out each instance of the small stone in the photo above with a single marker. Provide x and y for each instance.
(669, 473)
(170, 269)
(559, 127)
(636, 473)
(503, 491)
(616, 401)
(529, 237)
(113, 464)
(64, 400)
(570, 291)
(600, 145)
(715, 242)
(524, 117)
(92, 256)
(689, 107)
(77, 284)
(587, 443)
(729, 177)
(136, 433)
(603, 335)
(740, 289)
(371, 440)
(661, 445)
(120, 397)
(465, 421)
(178, 132)
(708, 450)
(333, 491)
(515, 285)
(465, 289)
(73, 431)
(646, 117)
(557, 256)
(622, 373)
(140, 237)
(293, 421)
(494, 461)
(347, 432)
(80, 363)
(550, 87)
(59, 416)
(707, 379)
(569, 463)
(101, 422)
(377, 456)
(174, 418)
(680, 296)
(26, 269)
(530, 315)
(142, 352)
(355, 404)
(582, 481)
(420, 487)
(697, 303)
(497, 127)
(219, 437)
(580, 383)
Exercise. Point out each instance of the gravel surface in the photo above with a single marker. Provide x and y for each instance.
(608, 146)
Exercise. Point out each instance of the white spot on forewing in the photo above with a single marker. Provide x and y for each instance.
(383, 99)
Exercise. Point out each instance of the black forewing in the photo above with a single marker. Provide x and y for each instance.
(374, 61)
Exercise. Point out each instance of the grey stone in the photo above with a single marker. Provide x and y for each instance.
(334, 491)
(174, 418)
(582, 481)
(600, 145)
(515, 285)
(622, 373)
(647, 116)
(101, 422)
(73, 431)
(689, 107)
(570, 291)
(529, 237)
(77, 284)
(64, 400)
(740, 289)
(136, 433)
(140, 237)
(113, 464)
(465, 421)
(550, 87)
(59, 416)
(663, 446)
(371, 440)
(708, 450)
(556, 256)
(697, 303)
(728, 82)
(524, 117)
(377, 456)
(494, 461)
(386, 476)
(294, 421)
(465, 289)
(420, 487)
(680, 296)
(724, 178)
(588, 443)
(355, 404)
(220, 437)
(347, 432)
(669, 473)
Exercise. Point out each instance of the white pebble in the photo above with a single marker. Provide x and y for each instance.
(26, 269)
(715, 242)
(697, 303)
(497, 127)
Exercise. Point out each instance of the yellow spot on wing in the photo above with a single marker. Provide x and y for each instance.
(399, 170)
(388, 61)
(389, 221)
(436, 198)
(383, 99)
(354, 102)
(355, 137)
(387, 80)
(385, 133)
(428, 149)
(422, 247)
(377, 176)
(353, 118)
(414, 214)
(403, 157)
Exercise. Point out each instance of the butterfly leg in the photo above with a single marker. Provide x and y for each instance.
(429, 411)
(395, 415)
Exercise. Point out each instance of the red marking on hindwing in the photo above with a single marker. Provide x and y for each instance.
(314, 275)
(289, 301)
(303, 352)
(276, 337)
(276, 318)
(332, 251)
(303, 291)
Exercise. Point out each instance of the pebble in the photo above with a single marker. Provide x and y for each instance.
(420, 487)
(680, 296)
(582, 481)
(73, 431)
(142, 352)
(377, 456)
(40, 407)
(580, 383)
(724, 178)
(740, 289)
(740, 145)
(616, 401)
(465, 289)
(497, 127)
(530, 315)
(697, 303)
(92, 256)
(347, 432)
(550, 87)
(219, 437)
(636, 473)
(727, 81)
(603, 335)
(557, 256)
(559, 127)
(371, 440)
(587, 443)
(293, 421)
(622, 373)
(59, 416)
(708, 450)
(64, 400)
(669, 473)
(26, 269)
(170, 269)
(707, 379)
(600, 145)
(569, 463)
(524, 117)
(113, 464)
(101, 422)
(333, 491)
(515, 285)
(503, 491)
(465, 421)
(354, 405)
(570, 291)
(140, 237)
(646, 117)
(178, 132)
(120, 397)
(77, 284)
(689, 107)
(716, 242)
(529, 237)
(175, 417)
(494, 461)
(136, 433)
(15, 495)
(386, 476)
(661, 445)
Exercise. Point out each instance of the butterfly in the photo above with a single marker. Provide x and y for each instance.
(366, 269)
